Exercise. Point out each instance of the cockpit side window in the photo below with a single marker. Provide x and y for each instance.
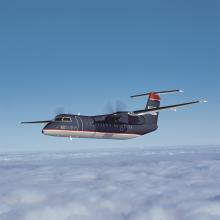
(63, 119)
(58, 119)
(67, 119)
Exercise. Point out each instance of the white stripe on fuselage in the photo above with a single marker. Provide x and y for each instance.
(88, 134)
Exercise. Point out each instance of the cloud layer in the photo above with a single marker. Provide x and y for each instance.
(139, 184)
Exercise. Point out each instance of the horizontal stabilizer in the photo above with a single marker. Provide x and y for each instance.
(158, 92)
(35, 122)
(171, 107)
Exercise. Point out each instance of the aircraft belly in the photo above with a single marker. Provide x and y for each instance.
(88, 134)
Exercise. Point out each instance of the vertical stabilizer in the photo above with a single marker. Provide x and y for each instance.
(153, 101)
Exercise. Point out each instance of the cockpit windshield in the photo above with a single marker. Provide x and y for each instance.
(63, 119)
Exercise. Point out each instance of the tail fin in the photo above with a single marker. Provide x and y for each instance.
(153, 101)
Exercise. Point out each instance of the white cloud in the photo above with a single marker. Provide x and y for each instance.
(137, 184)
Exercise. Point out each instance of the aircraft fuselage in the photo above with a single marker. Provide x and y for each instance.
(121, 126)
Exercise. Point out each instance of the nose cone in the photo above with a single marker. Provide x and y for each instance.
(46, 127)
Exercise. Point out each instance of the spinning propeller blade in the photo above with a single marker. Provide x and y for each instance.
(118, 107)
(59, 110)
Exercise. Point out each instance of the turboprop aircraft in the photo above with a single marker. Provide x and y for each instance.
(117, 125)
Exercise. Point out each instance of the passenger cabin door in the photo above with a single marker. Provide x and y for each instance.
(79, 123)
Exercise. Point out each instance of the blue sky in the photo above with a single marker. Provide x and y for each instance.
(83, 54)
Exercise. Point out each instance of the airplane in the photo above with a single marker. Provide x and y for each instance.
(118, 125)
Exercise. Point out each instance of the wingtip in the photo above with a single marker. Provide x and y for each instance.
(203, 101)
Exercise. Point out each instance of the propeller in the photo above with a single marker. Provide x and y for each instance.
(59, 110)
(118, 107)
(108, 109)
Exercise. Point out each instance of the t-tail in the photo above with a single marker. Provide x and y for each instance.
(153, 105)
(154, 98)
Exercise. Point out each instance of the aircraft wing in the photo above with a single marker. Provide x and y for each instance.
(171, 107)
(34, 122)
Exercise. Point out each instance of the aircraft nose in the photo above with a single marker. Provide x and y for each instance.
(44, 130)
